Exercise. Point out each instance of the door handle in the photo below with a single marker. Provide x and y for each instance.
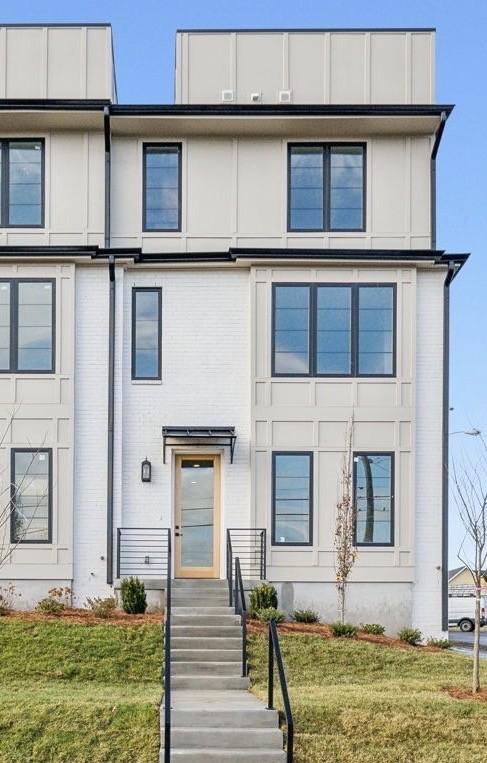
(178, 535)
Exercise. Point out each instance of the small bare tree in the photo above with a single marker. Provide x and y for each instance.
(345, 549)
(470, 492)
(11, 503)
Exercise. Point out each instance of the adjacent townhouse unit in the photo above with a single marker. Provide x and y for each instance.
(199, 300)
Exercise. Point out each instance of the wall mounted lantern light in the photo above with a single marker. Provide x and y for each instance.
(146, 471)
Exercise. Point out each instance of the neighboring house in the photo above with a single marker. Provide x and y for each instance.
(461, 577)
(256, 265)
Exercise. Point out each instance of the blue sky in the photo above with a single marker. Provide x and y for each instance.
(144, 35)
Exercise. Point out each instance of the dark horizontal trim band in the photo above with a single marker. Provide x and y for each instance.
(436, 256)
(53, 104)
(229, 110)
(307, 30)
(260, 109)
(37, 25)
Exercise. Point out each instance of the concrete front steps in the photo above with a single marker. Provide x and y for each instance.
(214, 717)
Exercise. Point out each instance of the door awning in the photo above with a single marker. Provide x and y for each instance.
(199, 437)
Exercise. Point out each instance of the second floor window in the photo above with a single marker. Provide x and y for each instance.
(146, 333)
(22, 183)
(27, 320)
(326, 187)
(162, 187)
(334, 330)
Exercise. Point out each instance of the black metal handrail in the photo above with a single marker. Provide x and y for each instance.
(275, 652)
(241, 609)
(167, 656)
(249, 544)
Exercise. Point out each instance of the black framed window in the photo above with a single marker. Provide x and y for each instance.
(326, 187)
(373, 487)
(31, 496)
(22, 183)
(27, 325)
(162, 187)
(292, 498)
(334, 330)
(146, 332)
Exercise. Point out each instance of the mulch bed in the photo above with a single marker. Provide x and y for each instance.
(85, 617)
(457, 693)
(317, 629)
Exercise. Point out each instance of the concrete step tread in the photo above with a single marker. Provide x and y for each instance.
(214, 755)
(211, 669)
(191, 681)
(206, 643)
(203, 655)
(221, 739)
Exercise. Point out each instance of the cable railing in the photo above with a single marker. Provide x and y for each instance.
(274, 652)
(249, 545)
(142, 552)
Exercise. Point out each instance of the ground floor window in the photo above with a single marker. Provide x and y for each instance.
(31, 496)
(292, 498)
(373, 481)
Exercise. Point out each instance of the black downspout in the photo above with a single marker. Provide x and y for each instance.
(446, 383)
(111, 348)
(434, 152)
(445, 445)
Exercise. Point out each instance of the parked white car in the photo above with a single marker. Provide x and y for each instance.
(461, 612)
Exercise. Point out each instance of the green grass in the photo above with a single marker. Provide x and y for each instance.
(79, 694)
(356, 702)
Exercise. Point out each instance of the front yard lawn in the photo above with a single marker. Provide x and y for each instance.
(359, 702)
(72, 693)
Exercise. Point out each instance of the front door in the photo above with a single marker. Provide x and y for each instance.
(197, 525)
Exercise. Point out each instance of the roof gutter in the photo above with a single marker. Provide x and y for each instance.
(111, 347)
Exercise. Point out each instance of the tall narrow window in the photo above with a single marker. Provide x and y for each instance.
(31, 486)
(22, 183)
(27, 321)
(291, 330)
(376, 331)
(326, 187)
(374, 498)
(146, 333)
(292, 487)
(162, 187)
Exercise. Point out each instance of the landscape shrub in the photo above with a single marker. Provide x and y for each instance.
(134, 599)
(7, 595)
(343, 630)
(305, 616)
(103, 608)
(373, 629)
(411, 636)
(270, 614)
(263, 596)
(439, 643)
(56, 601)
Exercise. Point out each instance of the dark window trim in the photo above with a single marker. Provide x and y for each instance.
(310, 455)
(135, 291)
(391, 454)
(4, 211)
(179, 147)
(313, 288)
(14, 326)
(326, 150)
(49, 452)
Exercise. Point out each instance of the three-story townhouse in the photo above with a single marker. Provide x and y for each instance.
(200, 299)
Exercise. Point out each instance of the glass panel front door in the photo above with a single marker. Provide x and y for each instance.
(197, 516)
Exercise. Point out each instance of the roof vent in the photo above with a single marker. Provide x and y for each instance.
(227, 96)
(285, 96)
(255, 97)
